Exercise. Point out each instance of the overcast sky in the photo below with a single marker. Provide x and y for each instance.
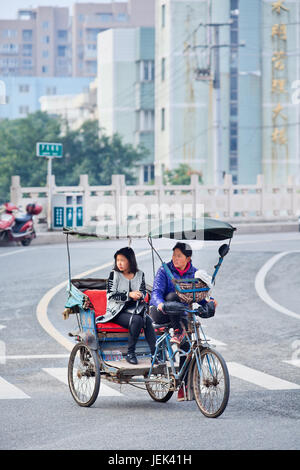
(8, 9)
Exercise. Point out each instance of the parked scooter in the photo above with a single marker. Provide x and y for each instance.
(19, 229)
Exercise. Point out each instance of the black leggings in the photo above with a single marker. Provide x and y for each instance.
(135, 323)
(177, 321)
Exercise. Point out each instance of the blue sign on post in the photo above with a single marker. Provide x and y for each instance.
(79, 216)
(69, 216)
(58, 216)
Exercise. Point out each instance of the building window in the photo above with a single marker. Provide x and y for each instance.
(46, 39)
(163, 68)
(62, 34)
(163, 16)
(45, 54)
(105, 17)
(51, 90)
(146, 120)
(163, 118)
(233, 93)
(45, 69)
(27, 50)
(91, 33)
(61, 51)
(122, 17)
(147, 70)
(23, 88)
(27, 35)
(9, 33)
(148, 173)
(45, 25)
(23, 109)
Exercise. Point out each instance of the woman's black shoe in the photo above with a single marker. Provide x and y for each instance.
(131, 358)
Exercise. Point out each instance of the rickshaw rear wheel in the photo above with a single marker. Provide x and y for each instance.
(84, 375)
(159, 390)
(211, 386)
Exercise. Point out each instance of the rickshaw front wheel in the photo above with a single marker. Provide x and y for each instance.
(159, 388)
(84, 375)
(211, 386)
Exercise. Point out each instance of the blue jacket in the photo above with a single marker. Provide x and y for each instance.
(162, 285)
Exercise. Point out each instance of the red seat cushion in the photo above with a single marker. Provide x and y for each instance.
(99, 301)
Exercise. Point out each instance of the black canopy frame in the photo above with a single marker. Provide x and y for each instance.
(206, 229)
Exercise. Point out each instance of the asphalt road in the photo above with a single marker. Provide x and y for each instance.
(256, 328)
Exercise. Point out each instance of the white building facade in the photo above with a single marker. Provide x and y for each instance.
(126, 89)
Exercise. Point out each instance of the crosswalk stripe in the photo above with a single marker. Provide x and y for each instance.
(9, 391)
(259, 378)
(61, 374)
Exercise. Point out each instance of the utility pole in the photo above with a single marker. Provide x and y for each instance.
(215, 76)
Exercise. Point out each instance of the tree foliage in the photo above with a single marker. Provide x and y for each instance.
(181, 175)
(86, 151)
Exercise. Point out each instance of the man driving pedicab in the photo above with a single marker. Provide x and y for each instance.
(163, 291)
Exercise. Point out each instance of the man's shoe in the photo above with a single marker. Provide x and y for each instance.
(131, 358)
(178, 338)
(181, 396)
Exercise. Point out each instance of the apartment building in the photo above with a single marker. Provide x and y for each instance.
(51, 42)
(226, 86)
(90, 19)
(126, 89)
(37, 43)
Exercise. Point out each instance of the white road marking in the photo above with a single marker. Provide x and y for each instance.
(9, 391)
(261, 289)
(293, 362)
(17, 251)
(61, 374)
(2, 327)
(35, 356)
(259, 378)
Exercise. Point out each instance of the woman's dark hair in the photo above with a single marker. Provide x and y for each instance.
(184, 248)
(130, 256)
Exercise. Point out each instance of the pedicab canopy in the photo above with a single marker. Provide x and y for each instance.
(179, 229)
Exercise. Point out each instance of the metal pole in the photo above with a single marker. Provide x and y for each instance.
(218, 110)
(49, 215)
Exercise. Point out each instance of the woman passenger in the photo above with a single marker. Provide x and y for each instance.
(126, 290)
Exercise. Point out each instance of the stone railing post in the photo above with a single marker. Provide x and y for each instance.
(84, 182)
(16, 190)
(118, 181)
(228, 190)
(261, 189)
(197, 209)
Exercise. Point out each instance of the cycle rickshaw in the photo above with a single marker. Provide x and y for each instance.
(98, 352)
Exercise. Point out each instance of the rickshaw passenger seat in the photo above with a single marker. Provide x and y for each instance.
(99, 301)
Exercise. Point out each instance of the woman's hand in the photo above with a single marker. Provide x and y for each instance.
(135, 295)
(160, 306)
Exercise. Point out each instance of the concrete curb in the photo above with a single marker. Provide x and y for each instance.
(46, 238)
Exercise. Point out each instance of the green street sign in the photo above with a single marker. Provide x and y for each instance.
(47, 149)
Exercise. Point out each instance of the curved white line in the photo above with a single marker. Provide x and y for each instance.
(261, 289)
(42, 308)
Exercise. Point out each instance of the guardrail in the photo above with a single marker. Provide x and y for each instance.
(118, 201)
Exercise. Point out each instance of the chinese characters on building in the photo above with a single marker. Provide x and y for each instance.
(279, 78)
